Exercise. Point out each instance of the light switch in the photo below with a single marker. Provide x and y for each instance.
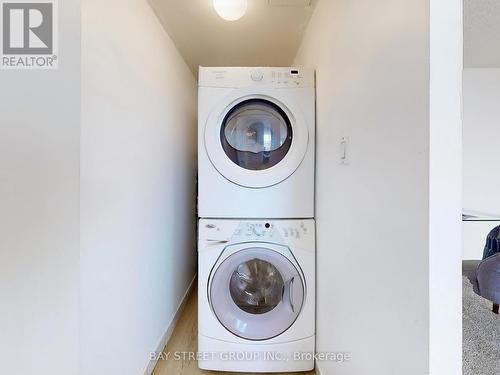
(344, 150)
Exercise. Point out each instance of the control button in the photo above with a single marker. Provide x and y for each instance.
(258, 231)
(257, 75)
(267, 225)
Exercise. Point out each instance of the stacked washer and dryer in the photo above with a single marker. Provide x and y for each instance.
(256, 306)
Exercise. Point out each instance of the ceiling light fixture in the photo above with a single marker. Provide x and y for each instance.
(231, 10)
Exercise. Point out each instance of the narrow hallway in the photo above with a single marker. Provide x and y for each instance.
(184, 339)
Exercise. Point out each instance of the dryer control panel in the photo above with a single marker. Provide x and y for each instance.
(236, 77)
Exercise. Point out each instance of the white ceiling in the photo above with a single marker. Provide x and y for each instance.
(482, 33)
(268, 35)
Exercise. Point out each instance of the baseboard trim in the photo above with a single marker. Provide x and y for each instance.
(170, 329)
(318, 369)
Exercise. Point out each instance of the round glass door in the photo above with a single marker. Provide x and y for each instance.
(256, 134)
(256, 286)
(256, 293)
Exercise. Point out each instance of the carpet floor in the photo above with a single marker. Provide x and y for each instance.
(481, 334)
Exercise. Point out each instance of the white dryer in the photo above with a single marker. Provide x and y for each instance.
(256, 137)
(256, 303)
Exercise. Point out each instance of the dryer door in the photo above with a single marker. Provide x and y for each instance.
(256, 140)
(257, 292)
(256, 134)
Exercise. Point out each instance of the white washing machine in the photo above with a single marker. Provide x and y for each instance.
(256, 303)
(256, 137)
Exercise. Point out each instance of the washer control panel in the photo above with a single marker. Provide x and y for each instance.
(294, 231)
(272, 231)
(251, 231)
(282, 232)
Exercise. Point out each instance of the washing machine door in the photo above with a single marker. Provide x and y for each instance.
(256, 140)
(257, 290)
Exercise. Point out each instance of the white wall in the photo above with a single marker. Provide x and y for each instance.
(445, 190)
(373, 217)
(481, 133)
(482, 140)
(137, 185)
(39, 221)
(474, 238)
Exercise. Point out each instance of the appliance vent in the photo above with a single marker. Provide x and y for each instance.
(290, 3)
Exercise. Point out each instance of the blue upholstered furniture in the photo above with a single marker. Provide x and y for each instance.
(492, 246)
(488, 278)
(488, 271)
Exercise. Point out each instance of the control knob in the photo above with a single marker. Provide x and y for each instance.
(257, 75)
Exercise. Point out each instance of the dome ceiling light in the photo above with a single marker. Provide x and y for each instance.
(231, 10)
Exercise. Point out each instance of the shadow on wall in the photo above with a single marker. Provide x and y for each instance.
(138, 168)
